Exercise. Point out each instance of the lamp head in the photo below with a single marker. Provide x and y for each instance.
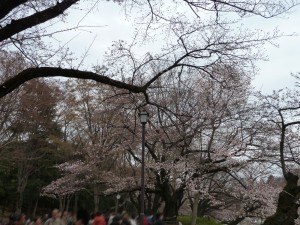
(143, 117)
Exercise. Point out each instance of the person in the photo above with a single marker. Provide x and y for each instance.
(111, 217)
(12, 219)
(82, 217)
(117, 220)
(159, 219)
(55, 219)
(145, 220)
(21, 219)
(92, 217)
(150, 218)
(67, 218)
(99, 219)
(38, 221)
(45, 217)
(125, 219)
(132, 219)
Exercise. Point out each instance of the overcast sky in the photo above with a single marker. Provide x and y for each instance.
(273, 74)
(284, 60)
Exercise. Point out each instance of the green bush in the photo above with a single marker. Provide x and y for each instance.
(187, 220)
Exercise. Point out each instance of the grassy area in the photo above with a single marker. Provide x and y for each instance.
(187, 220)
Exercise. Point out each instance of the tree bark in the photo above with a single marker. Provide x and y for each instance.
(195, 208)
(172, 204)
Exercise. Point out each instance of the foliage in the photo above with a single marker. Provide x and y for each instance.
(187, 220)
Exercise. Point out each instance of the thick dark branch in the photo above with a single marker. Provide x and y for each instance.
(289, 108)
(31, 73)
(7, 6)
(19, 25)
(291, 123)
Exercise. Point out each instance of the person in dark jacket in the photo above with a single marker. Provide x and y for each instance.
(159, 217)
(117, 220)
(82, 217)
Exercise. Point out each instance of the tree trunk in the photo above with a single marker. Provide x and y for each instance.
(172, 205)
(60, 203)
(75, 203)
(170, 208)
(195, 208)
(35, 207)
(22, 183)
(287, 206)
(19, 202)
(96, 203)
(68, 203)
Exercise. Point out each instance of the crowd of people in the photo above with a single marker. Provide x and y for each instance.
(82, 217)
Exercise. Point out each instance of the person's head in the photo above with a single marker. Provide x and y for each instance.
(133, 216)
(65, 214)
(38, 220)
(21, 219)
(92, 216)
(99, 213)
(55, 213)
(82, 217)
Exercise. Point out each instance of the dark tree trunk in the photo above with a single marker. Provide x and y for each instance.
(287, 207)
(172, 204)
(153, 203)
(203, 207)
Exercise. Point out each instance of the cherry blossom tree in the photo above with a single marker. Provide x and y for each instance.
(280, 148)
(96, 128)
(198, 141)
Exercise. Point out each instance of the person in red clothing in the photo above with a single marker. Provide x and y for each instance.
(99, 219)
(145, 220)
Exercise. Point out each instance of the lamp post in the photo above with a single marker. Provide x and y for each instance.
(143, 118)
(117, 202)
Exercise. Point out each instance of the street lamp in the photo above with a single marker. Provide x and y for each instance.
(143, 118)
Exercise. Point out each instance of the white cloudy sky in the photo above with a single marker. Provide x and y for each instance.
(284, 60)
(273, 74)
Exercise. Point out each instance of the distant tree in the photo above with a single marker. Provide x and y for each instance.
(10, 64)
(33, 123)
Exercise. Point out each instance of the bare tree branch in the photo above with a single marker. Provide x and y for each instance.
(19, 25)
(31, 73)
